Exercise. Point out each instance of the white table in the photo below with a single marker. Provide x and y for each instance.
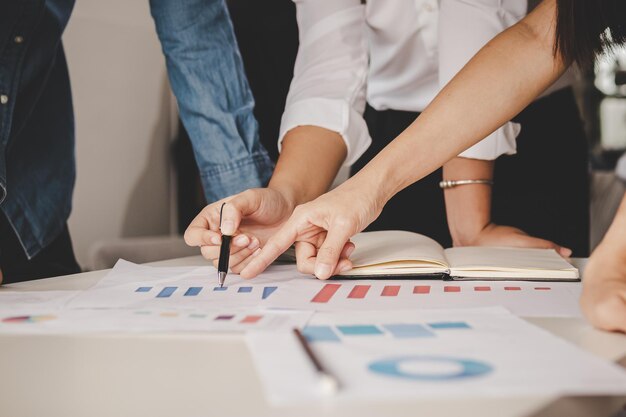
(212, 375)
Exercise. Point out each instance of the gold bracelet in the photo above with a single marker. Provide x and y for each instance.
(446, 184)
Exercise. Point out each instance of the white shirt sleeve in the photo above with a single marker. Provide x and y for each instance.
(328, 86)
(465, 26)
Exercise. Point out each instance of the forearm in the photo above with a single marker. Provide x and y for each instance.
(502, 79)
(309, 161)
(468, 207)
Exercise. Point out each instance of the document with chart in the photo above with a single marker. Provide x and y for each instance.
(405, 355)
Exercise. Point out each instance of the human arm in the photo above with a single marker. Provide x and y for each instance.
(322, 127)
(503, 78)
(468, 210)
(603, 299)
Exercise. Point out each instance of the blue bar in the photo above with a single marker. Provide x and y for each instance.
(359, 330)
(244, 289)
(407, 331)
(320, 334)
(443, 325)
(220, 288)
(267, 291)
(193, 291)
(166, 292)
(143, 289)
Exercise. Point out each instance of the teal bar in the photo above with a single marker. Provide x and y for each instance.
(359, 330)
(444, 325)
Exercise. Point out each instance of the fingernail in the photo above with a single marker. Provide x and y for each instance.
(345, 268)
(216, 240)
(241, 240)
(227, 227)
(349, 251)
(322, 271)
(254, 244)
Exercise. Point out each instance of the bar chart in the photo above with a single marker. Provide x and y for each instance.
(531, 299)
(395, 330)
(328, 291)
(167, 292)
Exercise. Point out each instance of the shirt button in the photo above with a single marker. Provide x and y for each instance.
(429, 7)
(18, 39)
(4, 99)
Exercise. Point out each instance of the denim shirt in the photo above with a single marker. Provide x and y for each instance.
(36, 120)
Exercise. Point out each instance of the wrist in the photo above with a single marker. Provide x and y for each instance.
(289, 192)
(376, 188)
(468, 234)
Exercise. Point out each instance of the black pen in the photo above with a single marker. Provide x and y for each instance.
(222, 266)
(329, 383)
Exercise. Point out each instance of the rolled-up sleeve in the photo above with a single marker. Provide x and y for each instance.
(328, 87)
(465, 26)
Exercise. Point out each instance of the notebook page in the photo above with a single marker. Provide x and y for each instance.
(396, 249)
(507, 260)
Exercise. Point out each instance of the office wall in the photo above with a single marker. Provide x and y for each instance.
(124, 123)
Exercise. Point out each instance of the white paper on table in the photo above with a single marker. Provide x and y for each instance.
(17, 300)
(64, 321)
(121, 288)
(529, 299)
(503, 354)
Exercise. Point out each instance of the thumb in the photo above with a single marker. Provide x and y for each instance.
(329, 253)
(235, 209)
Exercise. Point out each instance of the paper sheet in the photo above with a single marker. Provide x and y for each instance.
(529, 299)
(408, 355)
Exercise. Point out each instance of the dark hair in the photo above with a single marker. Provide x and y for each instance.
(586, 28)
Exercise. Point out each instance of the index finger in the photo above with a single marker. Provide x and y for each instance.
(274, 247)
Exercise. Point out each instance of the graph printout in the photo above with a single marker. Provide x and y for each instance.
(409, 354)
(137, 286)
(530, 299)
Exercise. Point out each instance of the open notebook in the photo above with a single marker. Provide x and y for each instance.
(397, 253)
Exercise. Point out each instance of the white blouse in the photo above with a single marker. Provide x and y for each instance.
(394, 54)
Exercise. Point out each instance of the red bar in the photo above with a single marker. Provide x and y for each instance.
(451, 288)
(543, 288)
(390, 290)
(326, 293)
(251, 319)
(512, 289)
(359, 291)
(482, 288)
(421, 289)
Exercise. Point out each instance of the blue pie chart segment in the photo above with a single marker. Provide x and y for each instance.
(404, 367)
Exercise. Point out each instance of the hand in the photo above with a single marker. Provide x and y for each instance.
(251, 217)
(603, 300)
(321, 229)
(496, 235)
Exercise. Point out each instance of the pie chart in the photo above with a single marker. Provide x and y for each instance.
(430, 368)
(28, 319)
